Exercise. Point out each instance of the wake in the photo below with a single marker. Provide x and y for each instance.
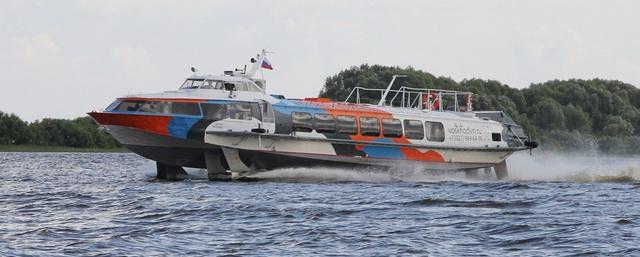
(550, 166)
(372, 175)
(541, 166)
(522, 167)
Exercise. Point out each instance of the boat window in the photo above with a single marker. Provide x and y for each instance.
(413, 129)
(259, 85)
(113, 105)
(129, 106)
(160, 107)
(187, 84)
(229, 86)
(369, 126)
(255, 111)
(185, 108)
(150, 106)
(435, 131)
(214, 111)
(166, 107)
(325, 123)
(391, 128)
(240, 86)
(239, 111)
(198, 83)
(191, 84)
(254, 87)
(212, 84)
(301, 121)
(267, 112)
(346, 125)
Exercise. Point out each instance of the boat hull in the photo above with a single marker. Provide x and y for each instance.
(168, 140)
(267, 152)
(163, 149)
(265, 160)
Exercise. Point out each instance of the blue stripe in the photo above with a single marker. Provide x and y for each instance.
(179, 126)
(384, 151)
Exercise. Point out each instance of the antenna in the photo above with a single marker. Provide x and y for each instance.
(386, 92)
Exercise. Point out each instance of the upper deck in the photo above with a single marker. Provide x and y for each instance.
(423, 99)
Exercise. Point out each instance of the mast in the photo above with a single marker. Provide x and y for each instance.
(257, 62)
(386, 92)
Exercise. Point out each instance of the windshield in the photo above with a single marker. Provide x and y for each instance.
(212, 84)
(192, 83)
(204, 84)
(220, 84)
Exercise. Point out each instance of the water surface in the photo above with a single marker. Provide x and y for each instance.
(110, 204)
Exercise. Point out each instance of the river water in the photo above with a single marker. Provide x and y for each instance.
(86, 204)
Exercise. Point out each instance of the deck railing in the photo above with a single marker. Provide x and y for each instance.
(416, 98)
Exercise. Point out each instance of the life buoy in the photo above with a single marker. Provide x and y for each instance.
(430, 99)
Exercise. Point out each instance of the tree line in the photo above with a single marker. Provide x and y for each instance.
(80, 132)
(573, 115)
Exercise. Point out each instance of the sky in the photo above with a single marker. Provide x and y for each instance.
(61, 59)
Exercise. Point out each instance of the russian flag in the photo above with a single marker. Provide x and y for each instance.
(266, 64)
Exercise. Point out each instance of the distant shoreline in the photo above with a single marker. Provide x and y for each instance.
(61, 149)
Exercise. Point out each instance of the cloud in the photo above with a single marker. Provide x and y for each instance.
(132, 57)
(116, 47)
(34, 49)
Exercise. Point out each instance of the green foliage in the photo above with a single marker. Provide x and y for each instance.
(79, 132)
(576, 119)
(11, 129)
(548, 115)
(570, 114)
(616, 126)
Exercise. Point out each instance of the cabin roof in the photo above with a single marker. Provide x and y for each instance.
(218, 77)
(374, 109)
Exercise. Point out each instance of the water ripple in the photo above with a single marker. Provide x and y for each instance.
(105, 204)
(471, 204)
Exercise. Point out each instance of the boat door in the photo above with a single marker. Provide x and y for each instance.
(242, 116)
(268, 117)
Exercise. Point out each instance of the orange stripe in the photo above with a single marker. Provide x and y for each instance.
(415, 155)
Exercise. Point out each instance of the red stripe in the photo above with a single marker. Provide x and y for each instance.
(149, 123)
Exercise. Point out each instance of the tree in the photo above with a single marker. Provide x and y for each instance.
(617, 126)
(576, 119)
(567, 114)
(80, 132)
(548, 115)
(12, 129)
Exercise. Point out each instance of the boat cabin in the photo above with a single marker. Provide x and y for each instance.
(228, 83)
